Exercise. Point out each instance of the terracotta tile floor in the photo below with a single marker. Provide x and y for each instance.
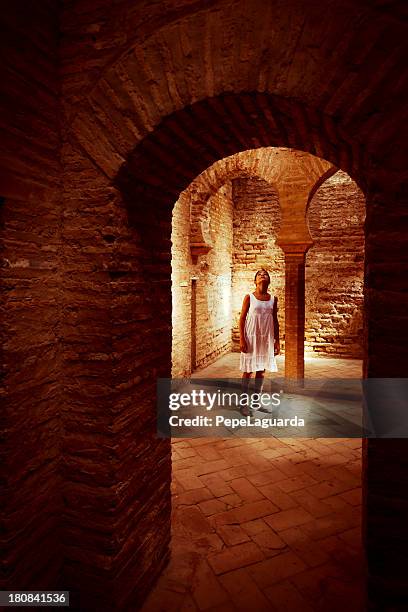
(265, 524)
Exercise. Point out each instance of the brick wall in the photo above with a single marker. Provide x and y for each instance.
(117, 342)
(30, 216)
(182, 270)
(334, 269)
(256, 224)
(125, 68)
(213, 285)
(334, 264)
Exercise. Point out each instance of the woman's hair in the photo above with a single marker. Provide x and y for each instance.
(260, 270)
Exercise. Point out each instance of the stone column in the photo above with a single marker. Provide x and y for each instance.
(294, 309)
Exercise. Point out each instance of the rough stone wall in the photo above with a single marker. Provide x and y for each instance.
(88, 415)
(256, 224)
(335, 269)
(213, 285)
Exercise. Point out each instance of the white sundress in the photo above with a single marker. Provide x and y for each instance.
(259, 335)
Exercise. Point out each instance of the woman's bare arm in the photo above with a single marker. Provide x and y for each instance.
(275, 320)
(276, 327)
(242, 319)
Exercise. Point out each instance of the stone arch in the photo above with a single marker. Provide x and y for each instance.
(154, 116)
(161, 166)
(139, 214)
(169, 61)
(207, 184)
(199, 239)
(329, 173)
(90, 294)
(273, 165)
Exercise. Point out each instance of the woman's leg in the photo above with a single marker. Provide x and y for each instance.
(259, 380)
(246, 376)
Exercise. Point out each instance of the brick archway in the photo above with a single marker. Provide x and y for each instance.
(138, 296)
(201, 192)
(143, 86)
(271, 164)
(295, 176)
(149, 189)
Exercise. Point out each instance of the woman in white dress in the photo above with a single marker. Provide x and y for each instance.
(259, 332)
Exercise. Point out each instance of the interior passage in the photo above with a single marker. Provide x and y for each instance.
(111, 111)
(266, 524)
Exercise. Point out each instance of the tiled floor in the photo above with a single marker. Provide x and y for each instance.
(265, 524)
(315, 367)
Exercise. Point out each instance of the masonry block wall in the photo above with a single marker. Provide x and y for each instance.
(335, 269)
(256, 224)
(334, 264)
(214, 290)
(213, 284)
(142, 87)
(30, 215)
(182, 270)
(117, 342)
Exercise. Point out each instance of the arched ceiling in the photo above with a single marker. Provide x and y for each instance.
(336, 67)
(294, 174)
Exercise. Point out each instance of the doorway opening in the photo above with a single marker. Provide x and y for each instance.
(271, 520)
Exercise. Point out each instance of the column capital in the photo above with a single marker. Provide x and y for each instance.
(294, 248)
